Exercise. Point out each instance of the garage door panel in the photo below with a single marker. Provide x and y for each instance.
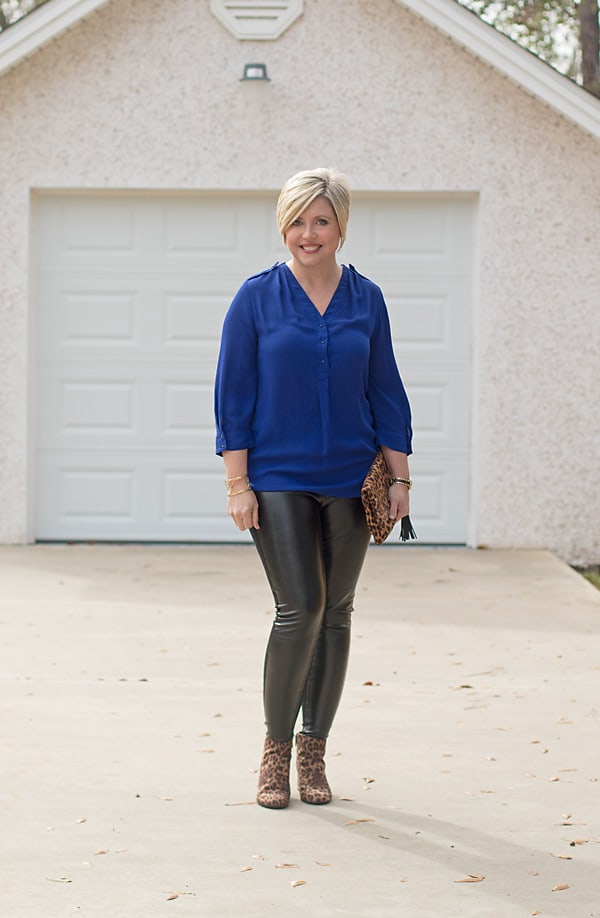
(82, 313)
(171, 498)
(217, 233)
(437, 500)
(133, 289)
(100, 406)
(439, 403)
(432, 319)
(138, 232)
(190, 319)
(412, 234)
(85, 496)
(141, 409)
(86, 407)
(86, 315)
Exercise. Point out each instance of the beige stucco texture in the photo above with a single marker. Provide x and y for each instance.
(139, 97)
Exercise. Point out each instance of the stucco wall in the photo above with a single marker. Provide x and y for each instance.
(130, 98)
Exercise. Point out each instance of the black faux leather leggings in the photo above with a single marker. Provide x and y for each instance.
(312, 548)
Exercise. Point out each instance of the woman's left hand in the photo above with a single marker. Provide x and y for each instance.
(398, 501)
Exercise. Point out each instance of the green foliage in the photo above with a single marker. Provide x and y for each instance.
(13, 10)
(549, 28)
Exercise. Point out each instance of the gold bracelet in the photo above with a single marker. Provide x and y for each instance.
(242, 491)
(237, 478)
(403, 481)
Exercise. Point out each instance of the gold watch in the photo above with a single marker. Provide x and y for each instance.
(407, 482)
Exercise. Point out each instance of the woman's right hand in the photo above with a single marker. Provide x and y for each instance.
(243, 510)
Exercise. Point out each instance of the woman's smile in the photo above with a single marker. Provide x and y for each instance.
(315, 232)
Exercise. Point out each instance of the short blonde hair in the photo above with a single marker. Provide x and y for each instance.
(303, 188)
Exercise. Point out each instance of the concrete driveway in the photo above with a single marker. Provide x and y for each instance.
(464, 759)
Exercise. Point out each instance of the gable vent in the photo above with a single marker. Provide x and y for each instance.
(253, 19)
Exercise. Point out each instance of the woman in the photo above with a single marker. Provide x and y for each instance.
(307, 388)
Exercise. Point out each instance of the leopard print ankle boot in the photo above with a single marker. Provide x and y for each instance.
(312, 782)
(274, 778)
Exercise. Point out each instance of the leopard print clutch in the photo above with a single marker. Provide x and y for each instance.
(375, 498)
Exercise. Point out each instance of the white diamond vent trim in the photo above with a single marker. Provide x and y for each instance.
(264, 20)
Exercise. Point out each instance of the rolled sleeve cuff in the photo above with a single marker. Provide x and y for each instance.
(233, 439)
(399, 441)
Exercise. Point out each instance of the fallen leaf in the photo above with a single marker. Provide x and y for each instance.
(351, 799)
(560, 887)
(472, 878)
(554, 779)
(368, 682)
(536, 913)
(533, 873)
(355, 822)
(242, 803)
(79, 821)
(369, 780)
(579, 841)
(567, 815)
(258, 857)
(297, 882)
(563, 857)
(322, 864)
(102, 851)
(172, 896)
(278, 866)
(59, 879)
(243, 870)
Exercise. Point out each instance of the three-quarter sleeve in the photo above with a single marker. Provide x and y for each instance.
(386, 392)
(236, 376)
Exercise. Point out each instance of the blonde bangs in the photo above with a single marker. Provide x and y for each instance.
(302, 189)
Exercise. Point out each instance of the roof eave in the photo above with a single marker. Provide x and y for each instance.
(448, 16)
(510, 59)
(41, 26)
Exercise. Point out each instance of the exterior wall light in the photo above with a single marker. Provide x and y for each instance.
(255, 72)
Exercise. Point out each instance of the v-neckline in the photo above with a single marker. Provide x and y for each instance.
(306, 296)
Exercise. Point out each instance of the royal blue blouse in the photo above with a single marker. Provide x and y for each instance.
(310, 396)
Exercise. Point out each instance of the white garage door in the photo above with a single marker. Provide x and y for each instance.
(131, 293)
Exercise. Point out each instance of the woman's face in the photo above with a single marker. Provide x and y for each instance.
(314, 237)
